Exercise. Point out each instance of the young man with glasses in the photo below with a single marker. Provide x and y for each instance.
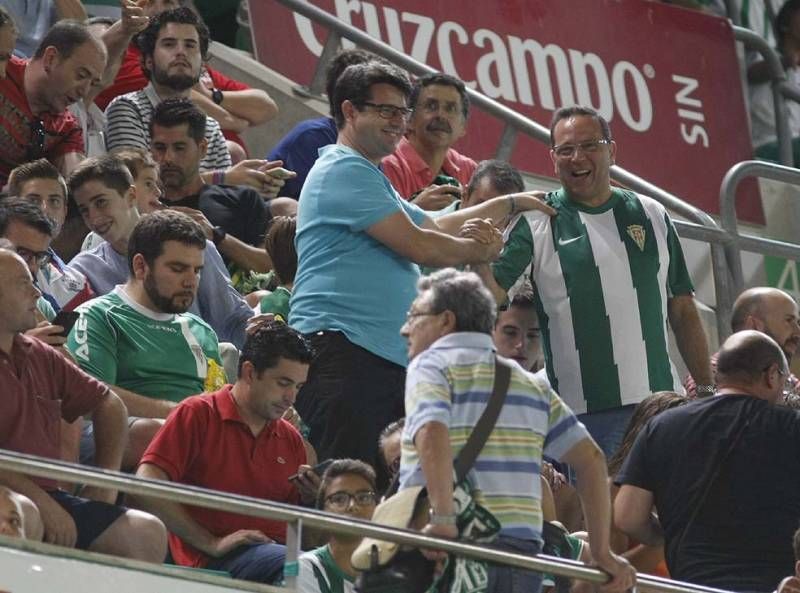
(347, 488)
(36, 93)
(357, 245)
(425, 168)
(609, 273)
(236, 440)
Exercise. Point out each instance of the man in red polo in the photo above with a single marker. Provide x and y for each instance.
(236, 440)
(40, 387)
(34, 96)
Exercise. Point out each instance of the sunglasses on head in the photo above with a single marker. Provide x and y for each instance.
(38, 136)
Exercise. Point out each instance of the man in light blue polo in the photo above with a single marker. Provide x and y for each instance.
(358, 246)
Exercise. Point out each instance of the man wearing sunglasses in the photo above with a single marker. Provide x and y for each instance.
(35, 95)
(609, 273)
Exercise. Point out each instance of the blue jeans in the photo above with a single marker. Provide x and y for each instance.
(608, 427)
(261, 563)
(508, 579)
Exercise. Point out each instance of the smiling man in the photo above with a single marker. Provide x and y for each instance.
(425, 164)
(609, 272)
(35, 95)
(235, 440)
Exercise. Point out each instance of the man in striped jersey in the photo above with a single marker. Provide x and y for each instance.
(449, 381)
(608, 271)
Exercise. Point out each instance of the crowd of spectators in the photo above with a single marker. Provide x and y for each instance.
(173, 308)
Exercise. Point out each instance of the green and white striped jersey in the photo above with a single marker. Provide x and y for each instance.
(319, 573)
(602, 278)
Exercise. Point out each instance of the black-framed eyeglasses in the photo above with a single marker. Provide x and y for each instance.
(341, 500)
(39, 258)
(38, 137)
(567, 151)
(386, 111)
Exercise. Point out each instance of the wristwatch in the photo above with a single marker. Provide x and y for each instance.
(217, 96)
(218, 235)
(435, 518)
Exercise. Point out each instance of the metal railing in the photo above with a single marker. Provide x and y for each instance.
(727, 202)
(298, 517)
(700, 226)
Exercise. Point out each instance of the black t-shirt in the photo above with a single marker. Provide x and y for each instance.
(741, 537)
(240, 210)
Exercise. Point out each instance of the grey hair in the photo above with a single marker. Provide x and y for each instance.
(465, 295)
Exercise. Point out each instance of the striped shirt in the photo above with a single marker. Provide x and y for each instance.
(129, 127)
(603, 277)
(451, 383)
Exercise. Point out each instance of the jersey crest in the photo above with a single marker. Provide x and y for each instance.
(636, 232)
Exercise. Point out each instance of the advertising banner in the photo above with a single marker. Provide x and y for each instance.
(667, 79)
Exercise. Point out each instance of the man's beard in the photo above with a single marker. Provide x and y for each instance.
(163, 303)
(176, 82)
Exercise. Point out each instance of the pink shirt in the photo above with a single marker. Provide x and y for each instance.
(40, 387)
(409, 173)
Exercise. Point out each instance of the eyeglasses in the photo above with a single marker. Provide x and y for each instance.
(433, 106)
(38, 137)
(567, 151)
(39, 258)
(411, 315)
(341, 500)
(386, 111)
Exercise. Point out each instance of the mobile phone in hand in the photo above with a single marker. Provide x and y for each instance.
(66, 319)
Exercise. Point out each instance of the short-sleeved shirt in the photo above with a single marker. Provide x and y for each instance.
(40, 387)
(64, 287)
(238, 209)
(603, 277)
(206, 443)
(33, 19)
(409, 173)
(62, 132)
(159, 355)
(217, 301)
(319, 573)
(347, 281)
(451, 383)
(741, 536)
(128, 126)
(299, 150)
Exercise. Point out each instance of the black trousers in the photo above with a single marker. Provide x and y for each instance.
(350, 396)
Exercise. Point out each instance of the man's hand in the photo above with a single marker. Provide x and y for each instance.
(99, 494)
(257, 321)
(48, 333)
(491, 251)
(532, 200)
(436, 197)
(59, 527)
(307, 483)
(623, 575)
(199, 218)
(256, 173)
(134, 19)
(223, 545)
(482, 230)
(447, 531)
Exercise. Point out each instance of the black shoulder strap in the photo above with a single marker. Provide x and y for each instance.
(467, 456)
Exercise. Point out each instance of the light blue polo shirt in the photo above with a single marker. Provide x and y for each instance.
(346, 280)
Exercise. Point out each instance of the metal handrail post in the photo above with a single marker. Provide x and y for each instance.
(223, 501)
(727, 196)
(754, 41)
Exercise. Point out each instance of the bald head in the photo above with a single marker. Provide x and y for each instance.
(18, 295)
(753, 361)
(771, 311)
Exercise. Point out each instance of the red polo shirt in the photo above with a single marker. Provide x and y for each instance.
(206, 443)
(62, 132)
(409, 173)
(39, 387)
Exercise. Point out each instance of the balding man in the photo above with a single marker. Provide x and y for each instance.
(39, 387)
(775, 313)
(723, 473)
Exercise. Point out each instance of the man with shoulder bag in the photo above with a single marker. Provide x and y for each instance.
(455, 389)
